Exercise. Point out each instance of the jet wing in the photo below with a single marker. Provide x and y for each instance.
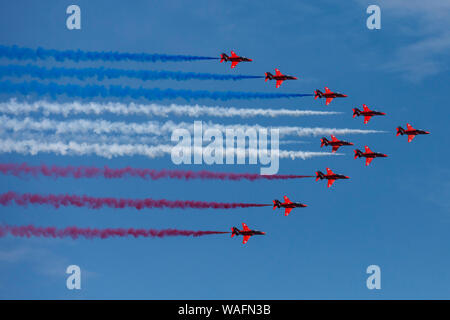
(365, 108)
(335, 148)
(328, 101)
(410, 137)
(234, 64)
(279, 82)
(327, 90)
(234, 55)
(244, 227)
(329, 171)
(286, 200)
(287, 211)
(245, 239)
(333, 138)
(368, 161)
(367, 149)
(409, 127)
(330, 182)
(278, 73)
(367, 119)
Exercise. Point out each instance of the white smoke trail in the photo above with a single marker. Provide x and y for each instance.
(85, 138)
(101, 138)
(33, 147)
(149, 110)
(152, 127)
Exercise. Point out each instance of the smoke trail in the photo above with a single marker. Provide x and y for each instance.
(102, 73)
(91, 91)
(77, 172)
(55, 200)
(19, 53)
(109, 151)
(87, 138)
(149, 110)
(88, 233)
(154, 127)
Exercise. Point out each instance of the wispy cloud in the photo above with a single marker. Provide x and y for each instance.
(425, 30)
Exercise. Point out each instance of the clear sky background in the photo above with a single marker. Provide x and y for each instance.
(394, 213)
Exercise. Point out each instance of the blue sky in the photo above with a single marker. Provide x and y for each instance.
(394, 213)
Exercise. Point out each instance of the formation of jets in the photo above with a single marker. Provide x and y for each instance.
(335, 143)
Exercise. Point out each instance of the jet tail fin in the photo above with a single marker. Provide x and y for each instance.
(317, 94)
(356, 112)
(319, 175)
(269, 76)
(275, 204)
(234, 231)
(324, 141)
(357, 153)
(400, 130)
(223, 57)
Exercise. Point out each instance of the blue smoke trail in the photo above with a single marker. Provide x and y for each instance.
(101, 73)
(15, 52)
(91, 91)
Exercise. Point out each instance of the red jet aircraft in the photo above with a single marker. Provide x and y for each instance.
(329, 95)
(330, 176)
(246, 232)
(279, 77)
(367, 113)
(335, 143)
(410, 131)
(369, 155)
(234, 58)
(288, 205)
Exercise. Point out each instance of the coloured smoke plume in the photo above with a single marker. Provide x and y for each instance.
(58, 200)
(18, 53)
(93, 91)
(23, 169)
(109, 73)
(88, 233)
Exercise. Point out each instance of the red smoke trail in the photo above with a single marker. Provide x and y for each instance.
(56, 201)
(88, 233)
(108, 173)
